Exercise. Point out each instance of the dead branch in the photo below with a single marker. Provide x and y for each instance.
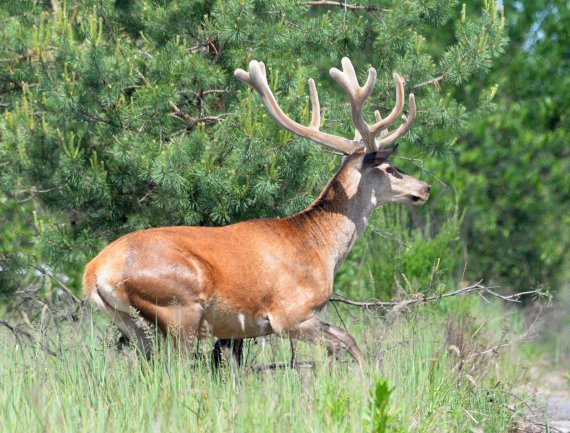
(31, 191)
(528, 419)
(142, 77)
(205, 92)
(420, 298)
(495, 349)
(191, 122)
(434, 81)
(60, 283)
(346, 5)
(198, 48)
(18, 331)
(280, 365)
(208, 120)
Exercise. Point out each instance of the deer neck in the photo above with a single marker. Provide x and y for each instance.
(334, 221)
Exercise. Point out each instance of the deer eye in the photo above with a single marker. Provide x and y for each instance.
(390, 170)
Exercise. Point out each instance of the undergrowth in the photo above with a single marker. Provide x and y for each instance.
(425, 371)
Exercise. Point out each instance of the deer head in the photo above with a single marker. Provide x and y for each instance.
(387, 183)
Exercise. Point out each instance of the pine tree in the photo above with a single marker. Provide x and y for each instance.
(513, 167)
(120, 115)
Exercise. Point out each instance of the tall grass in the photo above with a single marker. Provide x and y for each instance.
(413, 381)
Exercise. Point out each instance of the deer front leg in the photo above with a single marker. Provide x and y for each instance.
(335, 338)
(236, 346)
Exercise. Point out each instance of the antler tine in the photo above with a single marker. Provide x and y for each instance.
(407, 123)
(257, 79)
(396, 111)
(357, 95)
(378, 117)
(315, 106)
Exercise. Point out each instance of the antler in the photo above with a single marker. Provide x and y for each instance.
(257, 79)
(373, 136)
(358, 95)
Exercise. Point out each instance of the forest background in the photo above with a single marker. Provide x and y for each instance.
(121, 115)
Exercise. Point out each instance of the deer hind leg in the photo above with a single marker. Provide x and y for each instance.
(133, 328)
(181, 322)
(336, 339)
(130, 324)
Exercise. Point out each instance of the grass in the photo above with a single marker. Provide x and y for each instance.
(418, 378)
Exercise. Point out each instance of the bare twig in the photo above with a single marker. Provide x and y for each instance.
(435, 81)
(31, 191)
(142, 77)
(420, 298)
(92, 118)
(200, 94)
(18, 331)
(60, 283)
(345, 5)
(420, 164)
(530, 421)
(37, 190)
(191, 122)
(279, 365)
(470, 416)
(496, 348)
(516, 296)
(198, 48)
(386, 235)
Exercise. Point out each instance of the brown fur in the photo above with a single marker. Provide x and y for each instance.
(244, 280)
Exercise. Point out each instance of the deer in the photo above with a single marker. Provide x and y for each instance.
(264, 276)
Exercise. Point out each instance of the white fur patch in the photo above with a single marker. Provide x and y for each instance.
(241, 319)
(108, 293)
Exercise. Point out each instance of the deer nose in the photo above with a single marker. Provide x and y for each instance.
(428, 189)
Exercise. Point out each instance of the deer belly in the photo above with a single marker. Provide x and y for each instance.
(231, 324)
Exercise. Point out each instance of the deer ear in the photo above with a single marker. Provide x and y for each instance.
(376, 158)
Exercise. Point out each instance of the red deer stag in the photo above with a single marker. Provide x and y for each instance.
(265, 276)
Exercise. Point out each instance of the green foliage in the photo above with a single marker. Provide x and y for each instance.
(513, 166)
(397, 256)
(121, 115)
(380, 406)
(73, 391)
(16, 234)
